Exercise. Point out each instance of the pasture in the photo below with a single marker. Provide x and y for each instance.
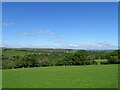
(0, 78)
(89, 76)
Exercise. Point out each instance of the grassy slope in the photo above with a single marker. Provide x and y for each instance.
(92, 76)
(0, 79)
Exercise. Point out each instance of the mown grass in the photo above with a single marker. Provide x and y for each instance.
(101, 60)
(0, 79)
(91, 76)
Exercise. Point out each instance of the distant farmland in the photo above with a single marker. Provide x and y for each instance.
(19, 58)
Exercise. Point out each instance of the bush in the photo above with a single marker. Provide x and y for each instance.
(7, 64)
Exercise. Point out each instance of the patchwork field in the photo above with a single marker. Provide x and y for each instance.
(90, 76)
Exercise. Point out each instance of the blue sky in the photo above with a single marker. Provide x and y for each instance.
(60, 25)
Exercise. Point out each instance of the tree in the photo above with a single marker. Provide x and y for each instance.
(112, 57)
(30, 60)
(78, 58)
(90, 59)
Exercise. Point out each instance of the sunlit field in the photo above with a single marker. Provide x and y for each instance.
(0, 79)
(88, 76)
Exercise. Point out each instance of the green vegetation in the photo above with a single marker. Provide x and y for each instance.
(0, 79)
(89, 76)
(101, 61)
(19, 58)
(59, 68)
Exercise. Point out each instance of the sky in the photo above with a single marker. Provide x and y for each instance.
(83, 25)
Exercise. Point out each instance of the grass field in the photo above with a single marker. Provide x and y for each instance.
(0, 79)
(92, 76)
(101, 60)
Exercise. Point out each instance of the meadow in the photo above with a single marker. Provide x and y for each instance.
(87, 76)
(0, 79)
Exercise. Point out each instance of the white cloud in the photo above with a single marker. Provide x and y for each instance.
(74, 45)
(59, 37)
(82, 46)
(6, 44)
(106, 45)
(34, 32)
(6, 24)
(63, 44)
(0, 45)
(48, 32)
(25, 34)
(101, 45)
(15, 45)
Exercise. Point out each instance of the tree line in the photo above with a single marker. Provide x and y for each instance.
(15, 58)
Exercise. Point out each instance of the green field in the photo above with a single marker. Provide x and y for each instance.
(91, 76)
(0, 79)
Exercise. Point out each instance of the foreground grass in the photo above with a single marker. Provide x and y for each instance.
(92, 76)
(0, 79)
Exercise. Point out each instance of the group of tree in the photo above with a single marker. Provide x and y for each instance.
(37, 58)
